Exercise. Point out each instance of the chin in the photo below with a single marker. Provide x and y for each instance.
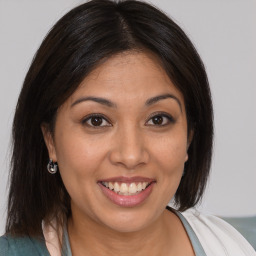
(129, 220)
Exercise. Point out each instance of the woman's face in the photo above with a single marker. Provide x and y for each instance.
(121, 143)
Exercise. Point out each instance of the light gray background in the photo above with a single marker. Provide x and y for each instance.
(223, 31)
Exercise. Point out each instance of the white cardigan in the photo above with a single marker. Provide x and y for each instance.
(217, 237)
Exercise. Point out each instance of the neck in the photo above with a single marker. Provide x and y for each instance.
(91, 238)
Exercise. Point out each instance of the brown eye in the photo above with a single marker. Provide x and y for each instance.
(96, 121)
(158, 120)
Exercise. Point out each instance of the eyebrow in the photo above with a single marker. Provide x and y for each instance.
(163, 97)
(109, 103)
(102, 101)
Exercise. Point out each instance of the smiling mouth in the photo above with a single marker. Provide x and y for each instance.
(126, 189)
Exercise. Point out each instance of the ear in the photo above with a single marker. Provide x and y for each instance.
(190, 138)
(49, 142)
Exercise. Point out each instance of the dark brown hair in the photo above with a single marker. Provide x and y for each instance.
(77, 43)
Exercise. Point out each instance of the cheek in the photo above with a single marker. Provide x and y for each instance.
(78, 155)
(170, 156)
(78, 163)
(171, 150)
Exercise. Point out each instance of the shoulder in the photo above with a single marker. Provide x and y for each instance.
(4, 246)
(217, 236)
(22, 246)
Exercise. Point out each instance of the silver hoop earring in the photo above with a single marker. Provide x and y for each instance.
(52, 167)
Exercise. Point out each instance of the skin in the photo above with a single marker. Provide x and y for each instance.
(128, 143)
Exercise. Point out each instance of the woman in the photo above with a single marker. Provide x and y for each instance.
(113, 121)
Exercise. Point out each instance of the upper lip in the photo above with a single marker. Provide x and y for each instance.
(128, 179)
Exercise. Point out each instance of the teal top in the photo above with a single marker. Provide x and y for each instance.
(198, 249)
(27, 246)
(23, 246)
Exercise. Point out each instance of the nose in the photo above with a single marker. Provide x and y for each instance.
(129, 148)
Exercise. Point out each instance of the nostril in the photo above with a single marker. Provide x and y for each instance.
(129, 159)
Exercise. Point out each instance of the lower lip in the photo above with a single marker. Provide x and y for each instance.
(127, 201)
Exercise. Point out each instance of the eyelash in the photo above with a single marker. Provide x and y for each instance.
(86, 119)
(169, 120)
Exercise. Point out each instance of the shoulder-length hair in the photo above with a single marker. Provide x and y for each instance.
(76, 44)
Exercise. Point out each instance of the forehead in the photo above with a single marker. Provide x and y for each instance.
(128, 74)
(136, 61)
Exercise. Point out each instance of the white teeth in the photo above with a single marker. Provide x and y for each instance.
(116, 187)
(123, 188)
(111, 186)
(104, 183)
(132, 188)
(126, 188)
(139, 187)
